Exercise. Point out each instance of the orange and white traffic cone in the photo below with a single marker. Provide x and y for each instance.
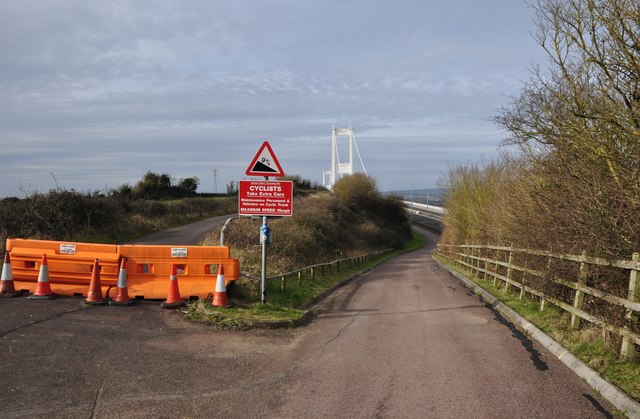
(220, 298)
(94, 295)
(173, 297)
(122, 298)
(43, 288)
(7, 289)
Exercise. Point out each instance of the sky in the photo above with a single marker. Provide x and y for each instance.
(93, 94)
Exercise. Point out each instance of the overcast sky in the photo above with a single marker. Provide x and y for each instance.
(99, 92)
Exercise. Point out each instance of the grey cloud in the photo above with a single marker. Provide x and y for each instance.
(99, 92)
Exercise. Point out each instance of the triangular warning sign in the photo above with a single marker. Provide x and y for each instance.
(265, 163)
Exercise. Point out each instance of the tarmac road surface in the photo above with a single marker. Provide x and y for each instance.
(189, 234)
(405, 340)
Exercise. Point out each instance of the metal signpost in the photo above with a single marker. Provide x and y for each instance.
(265, 198)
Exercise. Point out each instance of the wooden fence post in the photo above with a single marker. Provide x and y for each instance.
(313, 274)
(476, 261)
(300, 278)
(486, 264)
(495, 268)
(283, 283)
(578, 300)
(509, 269)
(465, 258)
(523, 282)
(628, 348)
(455, 256)
(543, 301)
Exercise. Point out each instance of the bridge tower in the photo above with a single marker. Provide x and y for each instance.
(338, 168)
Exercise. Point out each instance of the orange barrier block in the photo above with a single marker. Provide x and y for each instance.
(70, 264)
(148, 268)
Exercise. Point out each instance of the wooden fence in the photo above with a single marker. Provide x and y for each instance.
(321, 269)
(509, 265)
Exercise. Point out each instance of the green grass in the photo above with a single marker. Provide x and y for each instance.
(586, 343)
(239, 317)
(283, 305)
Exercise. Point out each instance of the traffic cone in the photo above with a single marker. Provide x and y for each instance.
(94, 295)
(173, 297)
(7, 289)
(220, 298)
(122, 298)
(43, 288)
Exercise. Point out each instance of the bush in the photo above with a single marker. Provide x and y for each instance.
(324, 227)
(60, 215)
(155, 186)
(356, 190)
(67, 215)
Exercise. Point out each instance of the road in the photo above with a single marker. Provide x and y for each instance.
(405, 340)
(189, 234)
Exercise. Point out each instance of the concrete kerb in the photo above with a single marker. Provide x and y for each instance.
(609, 391)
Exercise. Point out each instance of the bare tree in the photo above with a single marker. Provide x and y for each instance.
(577, 124)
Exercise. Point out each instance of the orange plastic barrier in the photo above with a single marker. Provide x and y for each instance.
(148, 267)
(70, 264)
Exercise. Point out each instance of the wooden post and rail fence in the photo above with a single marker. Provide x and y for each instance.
(320, 269)
(513, 267)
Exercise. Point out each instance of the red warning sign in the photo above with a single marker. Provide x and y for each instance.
(265, 197)
(265, 163)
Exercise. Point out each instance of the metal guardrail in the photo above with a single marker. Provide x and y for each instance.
(432, 209)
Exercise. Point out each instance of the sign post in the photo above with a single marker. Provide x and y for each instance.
(265, 198)
(264, 234)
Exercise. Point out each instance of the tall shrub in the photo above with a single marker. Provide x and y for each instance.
(577, 125)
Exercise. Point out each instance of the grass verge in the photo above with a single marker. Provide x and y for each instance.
(284, 304)
(587, 343)
(240, 317)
